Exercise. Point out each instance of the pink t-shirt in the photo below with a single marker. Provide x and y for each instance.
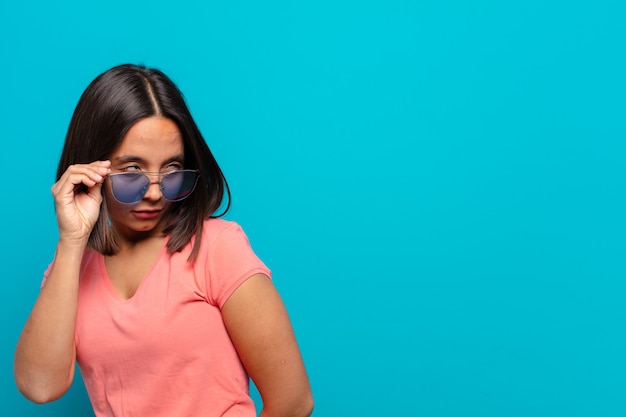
(165, 352)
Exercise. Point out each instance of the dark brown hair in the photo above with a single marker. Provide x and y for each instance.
(112, 103)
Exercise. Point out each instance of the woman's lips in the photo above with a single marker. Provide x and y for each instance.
(146, 214)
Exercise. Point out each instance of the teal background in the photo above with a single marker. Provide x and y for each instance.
(438, 186)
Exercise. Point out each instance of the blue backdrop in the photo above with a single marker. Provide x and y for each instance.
(438, 186)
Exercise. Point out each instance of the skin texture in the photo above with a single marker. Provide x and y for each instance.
(254, 315)
(259, 327)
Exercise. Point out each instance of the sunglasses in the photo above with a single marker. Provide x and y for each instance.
(130, 187)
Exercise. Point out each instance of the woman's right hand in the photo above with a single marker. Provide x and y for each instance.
(77, 199)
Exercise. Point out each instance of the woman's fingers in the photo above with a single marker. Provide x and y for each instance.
(78, 198)
(78, 178)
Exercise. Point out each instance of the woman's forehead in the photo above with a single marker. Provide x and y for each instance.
(151, 138)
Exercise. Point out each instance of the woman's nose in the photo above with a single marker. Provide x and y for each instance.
(153, 192)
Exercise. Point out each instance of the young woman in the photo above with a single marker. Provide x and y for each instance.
(163, 305)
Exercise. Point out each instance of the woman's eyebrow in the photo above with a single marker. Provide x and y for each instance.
(132, 158)
(177, 158)
(128, 158)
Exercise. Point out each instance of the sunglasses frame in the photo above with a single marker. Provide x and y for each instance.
(161, 176)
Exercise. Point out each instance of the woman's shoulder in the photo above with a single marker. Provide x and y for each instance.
(214, 228)
(217, 224)
(222, 239)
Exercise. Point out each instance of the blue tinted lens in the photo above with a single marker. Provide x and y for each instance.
(129, 187)
(178, 185)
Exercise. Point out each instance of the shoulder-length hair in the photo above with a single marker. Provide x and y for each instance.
(112, 103)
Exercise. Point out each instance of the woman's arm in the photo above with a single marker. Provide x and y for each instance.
(45, 356)
(261, 331)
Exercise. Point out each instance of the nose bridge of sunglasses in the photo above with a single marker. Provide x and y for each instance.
(153, 176)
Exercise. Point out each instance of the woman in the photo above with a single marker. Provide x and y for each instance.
(163, 305)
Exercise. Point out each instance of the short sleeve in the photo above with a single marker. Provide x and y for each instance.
(230, 262)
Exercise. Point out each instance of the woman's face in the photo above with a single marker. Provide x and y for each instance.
(153, 145)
